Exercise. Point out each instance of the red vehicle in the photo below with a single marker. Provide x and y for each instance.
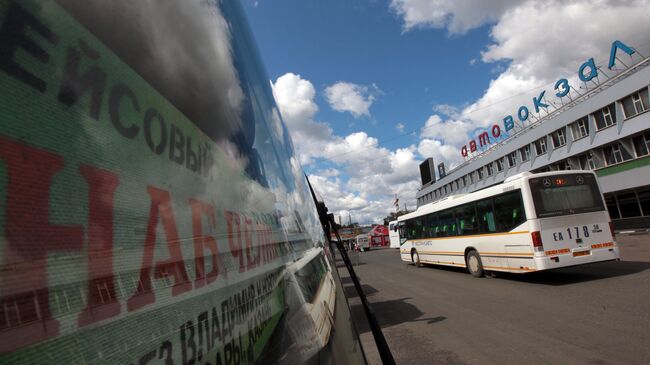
(379, 236)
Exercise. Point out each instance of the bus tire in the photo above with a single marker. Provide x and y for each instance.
(415, 257)
(474, 264)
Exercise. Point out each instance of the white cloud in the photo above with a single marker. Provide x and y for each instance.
(335, 197)
(373, 174)
(456, 16)
(343, 198)
(295, 98)
(400, 127)
(453, 132)
(440, 152)
(349, 97)
(450, 111)
(328, 173)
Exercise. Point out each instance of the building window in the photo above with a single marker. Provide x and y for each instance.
(463, 181)
(616, 154)
(641, 144)
(490, 169)
(562, 165)
(500, 164)
(580, 128)
(591, 163)
(525, 153)
(558, 138)
(479, 172)
(587, 161)
(644, 201)
(612, 207)
(540, 146)
(570, 164)
(605, 117)
(636, 103)
(512, 159)
(628, 205)
(457, 184)
(471, 178)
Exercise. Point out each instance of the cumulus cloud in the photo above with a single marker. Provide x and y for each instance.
(450, 111)
(440, 152)
(295, 98)
(400, 127)
(328, 172)
(456, 16)
(453, 132)
(349, 97)
(373, 174)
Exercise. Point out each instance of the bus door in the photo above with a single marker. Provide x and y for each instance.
(510, 216)
(571, 214)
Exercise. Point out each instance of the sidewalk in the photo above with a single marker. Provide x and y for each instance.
(358, 315)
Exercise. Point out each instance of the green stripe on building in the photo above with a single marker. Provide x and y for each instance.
(629, 165)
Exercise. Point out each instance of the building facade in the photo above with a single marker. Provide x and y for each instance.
(606, 129)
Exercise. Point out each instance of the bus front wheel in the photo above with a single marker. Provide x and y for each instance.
(416, 259)
(474, 264)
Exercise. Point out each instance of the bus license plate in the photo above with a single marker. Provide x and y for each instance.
(581, 253)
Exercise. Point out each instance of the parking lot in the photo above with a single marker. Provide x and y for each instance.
(593, 314)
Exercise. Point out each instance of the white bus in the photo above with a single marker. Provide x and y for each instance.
(364, 242)
(310, 298)
(393, 234)
(531, 222)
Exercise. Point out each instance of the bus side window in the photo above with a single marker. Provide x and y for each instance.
(446, 221)
(508, 208)
(433, 225)
(485, 216)
(466, 219)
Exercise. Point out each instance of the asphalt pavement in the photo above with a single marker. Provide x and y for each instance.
(595, 314)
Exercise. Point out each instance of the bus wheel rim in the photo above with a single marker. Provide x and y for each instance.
(473, 264)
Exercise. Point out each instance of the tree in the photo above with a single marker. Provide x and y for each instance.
(393, 216)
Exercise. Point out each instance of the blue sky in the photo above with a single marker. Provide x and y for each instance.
(362, 42)
(346, 72)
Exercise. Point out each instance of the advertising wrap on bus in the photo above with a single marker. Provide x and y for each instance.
(152, 209)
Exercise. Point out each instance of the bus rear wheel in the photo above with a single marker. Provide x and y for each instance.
(474, 264)
(416, 258)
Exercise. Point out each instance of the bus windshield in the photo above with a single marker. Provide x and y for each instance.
(565, 194)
